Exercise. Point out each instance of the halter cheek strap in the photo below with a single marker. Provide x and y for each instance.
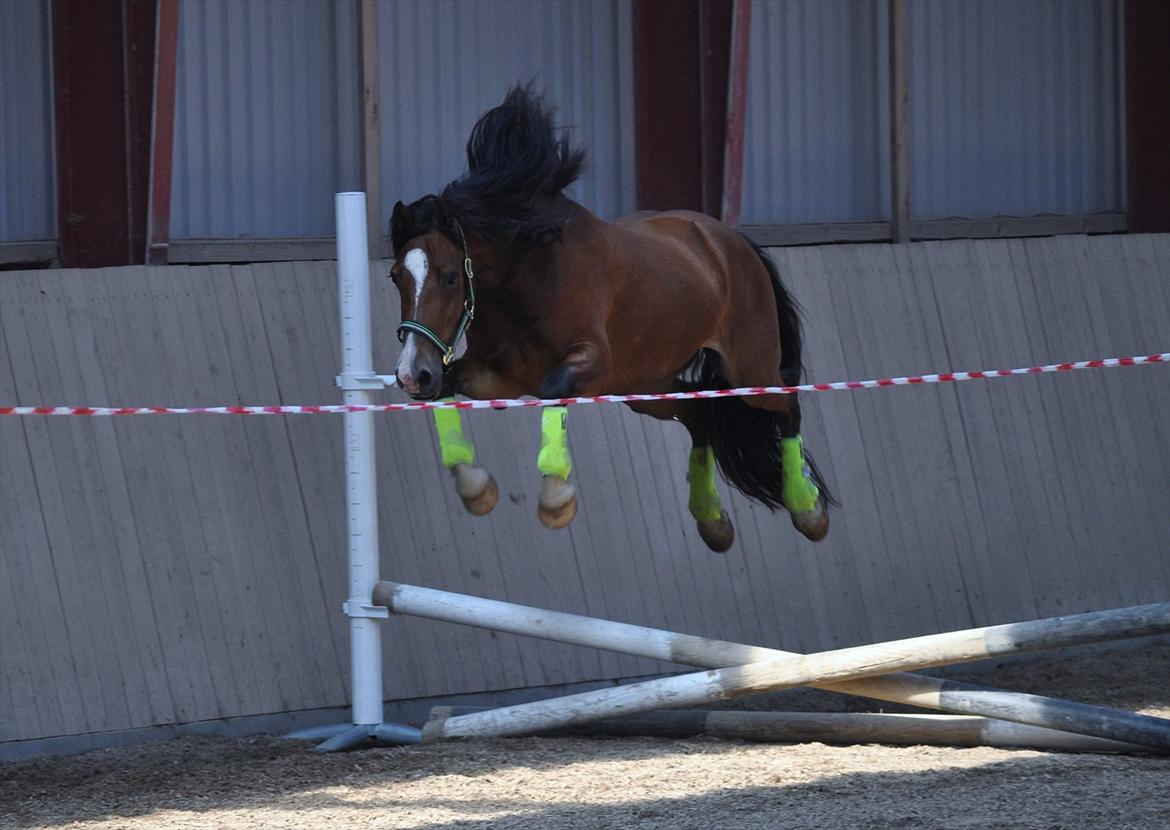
(465, 319)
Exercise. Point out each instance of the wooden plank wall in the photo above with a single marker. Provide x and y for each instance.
(159, 570)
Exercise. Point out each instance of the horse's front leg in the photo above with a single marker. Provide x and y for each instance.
(475, 485)
(558, 497)
(582, 366)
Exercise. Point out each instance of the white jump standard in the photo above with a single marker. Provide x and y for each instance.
(358, 383)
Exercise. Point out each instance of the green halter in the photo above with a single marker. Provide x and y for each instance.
(464, 321)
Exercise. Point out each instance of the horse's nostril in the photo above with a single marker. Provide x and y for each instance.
(424, 379)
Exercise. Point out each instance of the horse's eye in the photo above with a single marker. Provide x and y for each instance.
(451, 277)
(393, 277)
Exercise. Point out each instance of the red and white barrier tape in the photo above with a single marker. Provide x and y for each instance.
(333, 409)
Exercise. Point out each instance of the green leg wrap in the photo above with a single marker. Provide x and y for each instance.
(554, 457)
(800, 494)
(453, 444)
(704, 501)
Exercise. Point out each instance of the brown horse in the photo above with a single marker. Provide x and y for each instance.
(556, 302)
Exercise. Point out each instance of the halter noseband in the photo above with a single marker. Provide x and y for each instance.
(464, 321)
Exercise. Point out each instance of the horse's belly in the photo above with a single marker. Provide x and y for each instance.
(654, 335)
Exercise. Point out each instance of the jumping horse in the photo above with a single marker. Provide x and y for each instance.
(555, 302)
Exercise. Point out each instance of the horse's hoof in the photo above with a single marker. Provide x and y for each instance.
(476, 487)
(558, 502)
(717, 533)
(814, 524)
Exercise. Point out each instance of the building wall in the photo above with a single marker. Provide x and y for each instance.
(444, 64)
(1015, 109)
(268, 126)
(816, 145)
(158, 570)
(1014, 106)
(28, 199)
(266, 118)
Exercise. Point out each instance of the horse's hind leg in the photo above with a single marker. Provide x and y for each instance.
(558, 498)
(804, 500)
(473, 483)
(714, 525)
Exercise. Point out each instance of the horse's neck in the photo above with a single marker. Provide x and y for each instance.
(533, 288)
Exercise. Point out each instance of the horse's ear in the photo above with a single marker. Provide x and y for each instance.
(401, 217)
(444, 214)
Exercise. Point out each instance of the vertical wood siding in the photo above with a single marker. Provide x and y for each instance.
(158, 570)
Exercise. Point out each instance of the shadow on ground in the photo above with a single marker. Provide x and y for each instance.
(645, 783)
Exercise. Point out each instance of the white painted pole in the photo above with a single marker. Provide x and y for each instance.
(357, 360)
(912, 689)
(842, 664)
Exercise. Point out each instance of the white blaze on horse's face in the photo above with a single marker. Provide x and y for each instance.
(408, 370)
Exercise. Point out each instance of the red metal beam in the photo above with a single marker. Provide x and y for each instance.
(1147, 115)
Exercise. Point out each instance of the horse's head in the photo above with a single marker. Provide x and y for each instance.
(433, 274)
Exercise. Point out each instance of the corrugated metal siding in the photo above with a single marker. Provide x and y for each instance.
(817, 144)
(267, 122)
(169, 570)
(1014, 108)
(444, 63)
(28, 195)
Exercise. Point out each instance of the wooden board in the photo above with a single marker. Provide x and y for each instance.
(160, 570)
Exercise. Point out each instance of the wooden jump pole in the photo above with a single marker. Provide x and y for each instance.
(832, 728)
(842, 664)
(902, 688)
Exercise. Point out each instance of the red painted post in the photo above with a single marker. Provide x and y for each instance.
(162, 139)
(736, 112)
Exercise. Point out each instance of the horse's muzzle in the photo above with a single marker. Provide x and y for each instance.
(425, 386)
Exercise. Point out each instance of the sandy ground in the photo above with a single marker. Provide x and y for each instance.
(555, 783)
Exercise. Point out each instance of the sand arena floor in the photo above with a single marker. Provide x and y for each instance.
(554, 783)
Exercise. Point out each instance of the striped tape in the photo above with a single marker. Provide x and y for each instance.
(747, 391)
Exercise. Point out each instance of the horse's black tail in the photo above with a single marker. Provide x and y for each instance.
(746, 439)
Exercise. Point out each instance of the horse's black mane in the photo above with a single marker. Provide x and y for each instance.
(517, 166)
